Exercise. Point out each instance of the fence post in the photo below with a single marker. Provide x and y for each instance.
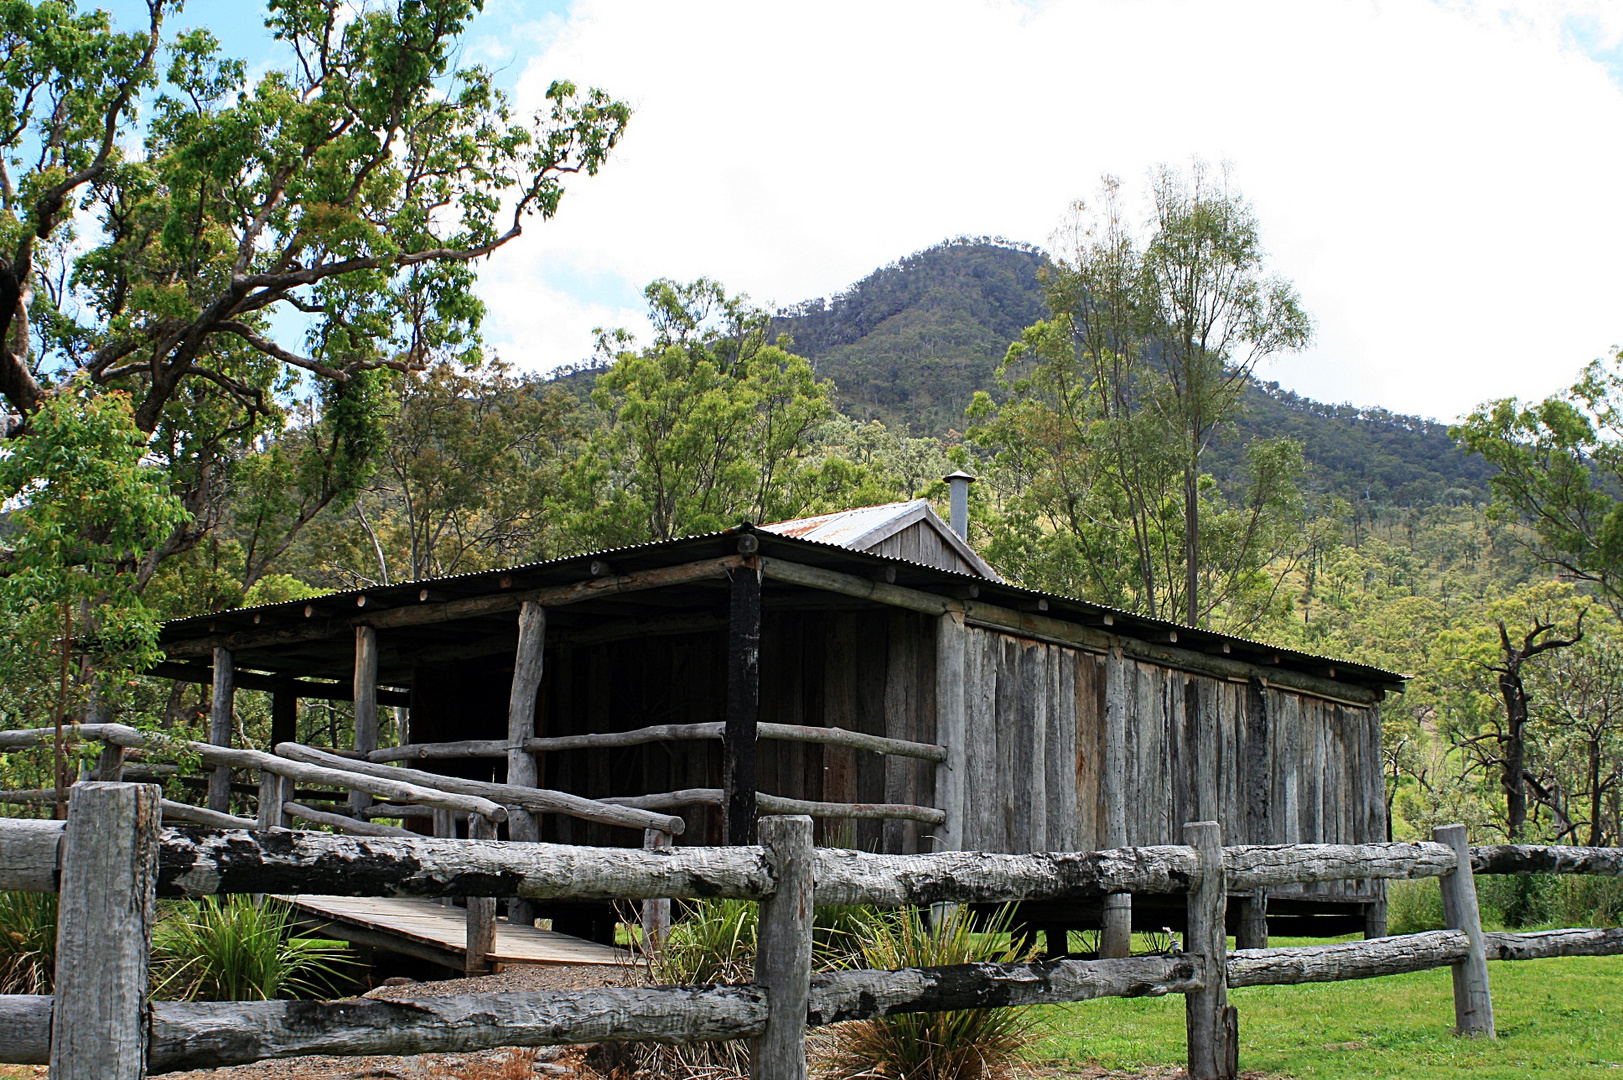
(481, 911)
(784, 949)
(221, 714)
(1212, 1023)
(271, 798)
(104, 932)
(656, 914)
(1473, 1006)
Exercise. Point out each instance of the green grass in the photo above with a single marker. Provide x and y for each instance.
(1556, 1019)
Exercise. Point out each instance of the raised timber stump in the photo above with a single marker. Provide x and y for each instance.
(104, 932)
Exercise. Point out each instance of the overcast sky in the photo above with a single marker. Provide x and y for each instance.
(1440, 179)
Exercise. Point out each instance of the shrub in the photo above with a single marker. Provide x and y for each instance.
(1413, 906)
(27, 942)
(1519, 901)
(965, 1045)
(236, 950)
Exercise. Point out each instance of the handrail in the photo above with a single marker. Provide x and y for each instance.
(806, 733)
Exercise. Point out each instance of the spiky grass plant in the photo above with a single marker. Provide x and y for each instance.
(27, 942)
(234, 949)
(971, 1044)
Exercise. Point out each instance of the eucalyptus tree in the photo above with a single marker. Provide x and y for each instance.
(1214, 312)
(1109, 407)
(223, 248)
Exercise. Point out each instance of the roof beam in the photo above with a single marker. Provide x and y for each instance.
(428, 612)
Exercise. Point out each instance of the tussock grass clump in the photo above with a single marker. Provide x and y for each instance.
(233, 949)
(27, 942)
(972, 1044)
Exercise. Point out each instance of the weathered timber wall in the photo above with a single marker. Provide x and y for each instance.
(919, 543)
(1272, 766)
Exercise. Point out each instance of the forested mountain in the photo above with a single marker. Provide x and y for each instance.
(913, 341)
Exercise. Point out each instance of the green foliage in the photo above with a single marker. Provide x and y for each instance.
(248, 257)
(1415, 906)
(27, 942)
(712, 942)
(1559, 465)
(234, 949)
(708, 425)
(963, 1045)
(90, 511)
(911, 343)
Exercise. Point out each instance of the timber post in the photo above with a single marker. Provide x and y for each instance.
(271, 798)
(656, 914)
(1213, 1049)
(481, 940)
(284, 713)
(743, 695)
(950, 732)
(220, 718)
(366, 703)
(783, 951)
(445, 829)
(1116, 912)
(1252, 933)
(1473, 1005)
(104, 932)
(521, 769)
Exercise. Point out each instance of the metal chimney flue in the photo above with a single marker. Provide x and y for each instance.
(958, 484)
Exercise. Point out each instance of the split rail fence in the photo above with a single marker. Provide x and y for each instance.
(112, 858)
(376, 788)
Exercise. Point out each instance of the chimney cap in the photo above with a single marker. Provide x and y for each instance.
(959, 475)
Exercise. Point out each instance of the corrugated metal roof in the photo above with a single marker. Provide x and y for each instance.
(831, 556)
(846, 527)
(865, 527)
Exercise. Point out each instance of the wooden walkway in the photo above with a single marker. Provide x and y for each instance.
(431, 931)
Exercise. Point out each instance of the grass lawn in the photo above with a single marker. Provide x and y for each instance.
(1556, 1019)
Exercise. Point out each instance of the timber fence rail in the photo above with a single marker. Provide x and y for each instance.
(112, 858)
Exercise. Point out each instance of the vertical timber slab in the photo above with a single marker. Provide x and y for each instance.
(220, 719)
(445, 829)
(1211, 1047)
(110, 764)
(521, 705)
(1473, 1005)
(272, 794)
(901, 680)
(783, 955)
(366, 702)
(1252, 933)
(1116, 918)
(743, 699)
(104, 932)
(949, 730)
(481, 911)
(284, 715)
(656, 914)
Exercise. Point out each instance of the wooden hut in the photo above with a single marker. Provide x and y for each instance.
(714, 675)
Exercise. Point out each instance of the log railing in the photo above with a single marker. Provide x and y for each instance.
(111, 859)
(806, 733)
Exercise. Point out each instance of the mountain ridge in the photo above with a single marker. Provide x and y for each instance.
(910, 344)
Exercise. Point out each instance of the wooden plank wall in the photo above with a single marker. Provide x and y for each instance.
(869, 671)
(920, 543)
(1282, 767)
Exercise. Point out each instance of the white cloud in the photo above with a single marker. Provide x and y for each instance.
(1438, 179)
